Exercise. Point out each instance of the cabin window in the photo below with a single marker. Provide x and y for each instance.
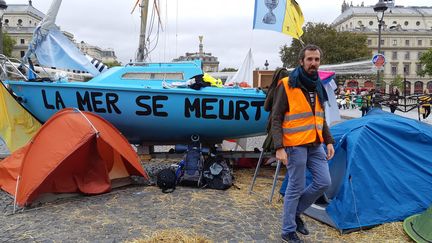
(150, 76)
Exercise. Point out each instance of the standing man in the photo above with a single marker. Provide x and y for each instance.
(298, 130)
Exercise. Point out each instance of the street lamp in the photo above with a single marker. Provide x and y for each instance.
(3, 8)
(266, 64)
(379, 8)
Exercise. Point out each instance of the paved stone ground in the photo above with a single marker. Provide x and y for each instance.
(135, 212)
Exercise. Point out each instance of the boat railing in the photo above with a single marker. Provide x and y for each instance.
(14, 69)
(11, 67)
(197, 64)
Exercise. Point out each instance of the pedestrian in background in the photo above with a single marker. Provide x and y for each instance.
(299, 130)
(393, 99)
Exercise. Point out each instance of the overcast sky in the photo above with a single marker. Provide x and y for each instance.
(225, 24)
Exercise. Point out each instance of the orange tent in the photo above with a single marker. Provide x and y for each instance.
(74, 151)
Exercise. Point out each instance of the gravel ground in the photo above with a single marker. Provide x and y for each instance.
(136, 212)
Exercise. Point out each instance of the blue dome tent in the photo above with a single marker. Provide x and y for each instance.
(381, 172)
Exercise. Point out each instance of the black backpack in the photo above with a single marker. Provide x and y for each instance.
(217, 174)
(167, 180)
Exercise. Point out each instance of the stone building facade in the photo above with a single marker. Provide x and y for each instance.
(406, 34)
(209, 63)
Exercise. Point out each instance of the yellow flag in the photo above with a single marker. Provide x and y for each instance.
(17, 126)
(279, 15)
(293, 20)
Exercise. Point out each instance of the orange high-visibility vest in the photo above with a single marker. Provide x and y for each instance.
(300, 125)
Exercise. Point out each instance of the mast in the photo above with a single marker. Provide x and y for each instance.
(142, 53)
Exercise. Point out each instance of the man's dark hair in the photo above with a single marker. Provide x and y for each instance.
(309, 47)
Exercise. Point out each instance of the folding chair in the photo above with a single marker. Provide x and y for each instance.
(268, 142)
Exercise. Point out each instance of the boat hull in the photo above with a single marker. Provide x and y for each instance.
(152, 115)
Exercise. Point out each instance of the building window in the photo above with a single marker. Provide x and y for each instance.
(430, 43)
(418, 23)
(429, 86)
(407, 42)
(419, 54)
(418, 67)
(369, 42)
(394, 55)
(6, 21)
(22, 53)
(406, 23)
(407, 55)
(394, 69)
(370, 23)
(408, 87)
(22, 41)
(418, 87)
(359, 23)
(407, 69)
(382, 42)
(394, 42)
(419, 42)
(394, 22)
(29, 22)
(19, 22)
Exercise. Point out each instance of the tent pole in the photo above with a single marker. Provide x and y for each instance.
(16, 194)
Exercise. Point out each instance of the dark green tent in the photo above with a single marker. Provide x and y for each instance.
(419, 226)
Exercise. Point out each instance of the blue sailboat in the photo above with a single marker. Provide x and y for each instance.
(140, 99)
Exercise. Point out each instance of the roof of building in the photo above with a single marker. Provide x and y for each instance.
(397, 10)
(23, 8)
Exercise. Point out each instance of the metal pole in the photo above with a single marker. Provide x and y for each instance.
(142, 55)
(405, 83)
(1, 35)
(378, 83)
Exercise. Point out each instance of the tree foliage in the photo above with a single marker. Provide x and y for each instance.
(337, 46)
(397, 82)
(229, 70)
(113, 64)
(8, 44)
(426, 64)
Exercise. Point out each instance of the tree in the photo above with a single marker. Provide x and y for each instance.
(8, 44)
(229, 70)
(426, 64)
(113, 64)
(397, 82)
(336, 46)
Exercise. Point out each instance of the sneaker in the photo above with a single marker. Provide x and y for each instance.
(291, 237)
(301, 227)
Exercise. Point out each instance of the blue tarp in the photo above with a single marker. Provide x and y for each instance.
(381, 172)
